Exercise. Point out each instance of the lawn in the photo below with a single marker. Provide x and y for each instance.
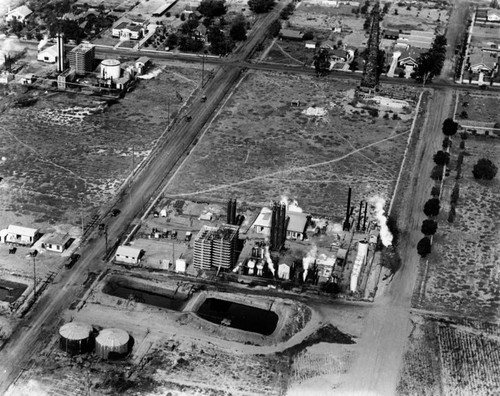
(260, 146)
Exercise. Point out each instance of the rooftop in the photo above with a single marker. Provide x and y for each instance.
(128, 251)
(20, 230)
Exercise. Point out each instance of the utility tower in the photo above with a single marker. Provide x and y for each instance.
(370, 70)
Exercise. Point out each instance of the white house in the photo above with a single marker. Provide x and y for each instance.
(128, 255)
(21, 235)
(310, 45)
(5, 77)
(142, 64)
(180, 265)
(57, 242)
(19, 13)
(127, 31)
(48, 55)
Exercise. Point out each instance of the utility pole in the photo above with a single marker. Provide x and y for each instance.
(168, 112)
(173, 253)
(202, 69)
(133, 166)
(106, 237)
(34, 280)
(81, 212)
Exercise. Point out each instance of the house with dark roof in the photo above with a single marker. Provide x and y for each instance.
(391, 34)
(339, 55)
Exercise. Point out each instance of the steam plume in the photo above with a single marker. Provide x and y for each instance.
(385, 234)
(42, 42)
(309, 260)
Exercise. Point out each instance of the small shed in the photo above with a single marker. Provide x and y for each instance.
(57, 242)
(206, 216)
(290, 34)
(164, 211)
(128, 255)
(180, 265)
(22, 235)
(310, 45)
(142, 64)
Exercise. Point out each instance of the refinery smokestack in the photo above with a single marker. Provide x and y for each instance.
(60, 52)
(348, 211)
(359, 215)
(364, 220)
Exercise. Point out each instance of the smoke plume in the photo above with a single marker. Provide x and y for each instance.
(291, 204)
(309, 260)
(270, 263)
(385, 234)
(42, 42)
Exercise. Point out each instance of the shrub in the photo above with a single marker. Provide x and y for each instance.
(308, 35)
(446, 142)
(462, 145)
(464, 135)
(435, 191)
(437, 172)
(395, 117)
(424, 247)
(373, 112)
(455, 194)
(452, 214)
(484, 169)
(464, 115)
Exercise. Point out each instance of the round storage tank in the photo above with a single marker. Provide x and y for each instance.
(75, 337)
(110, 68)
(112, 341)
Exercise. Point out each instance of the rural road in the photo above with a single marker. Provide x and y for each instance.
(387, 326)
(32, 332)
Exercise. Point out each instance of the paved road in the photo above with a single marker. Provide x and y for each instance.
(32, 333)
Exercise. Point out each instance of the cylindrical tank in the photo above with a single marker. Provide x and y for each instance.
(75, 337)
(114, 341)
(110, 69)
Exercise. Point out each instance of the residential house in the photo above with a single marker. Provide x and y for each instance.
(26, 79)
(297, 225)
(327, 44)
(5, 77)
(57, 242)
(408, 58)
(481, 63)
(22, 235)
(19, 13)
(290, 34)
(128, 255)
(48, 55)
(201, 30)
(128, 31)
(339, 55)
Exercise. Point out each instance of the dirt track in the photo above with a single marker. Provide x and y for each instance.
(381, 347)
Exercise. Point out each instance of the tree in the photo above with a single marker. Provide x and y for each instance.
(219, 43)
(424, 247)
(261, 6)
(308, 35)
(189, 26)
(432, 207)
(435, 191)
(437, 172)
(455, 194)
(190, 44)
(442, 158)
(238, 31)
(274, 28)
(322, 61)
(427, 68)
(484, 169)
(287, 11)
(429, 227)
(386, 8)
(212, 8)
(172, 40)
(450, 127)
(364, 8)
(390, 259)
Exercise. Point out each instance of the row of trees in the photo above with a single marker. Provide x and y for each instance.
(430, 63)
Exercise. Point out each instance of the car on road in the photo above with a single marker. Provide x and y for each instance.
(70, 262)
(203, 98)
(115, 212)
(188, 118)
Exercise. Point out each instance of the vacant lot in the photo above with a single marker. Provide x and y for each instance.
(423, 16)
(79, 147)
(464, 267)
(478, 108)
(261, 146)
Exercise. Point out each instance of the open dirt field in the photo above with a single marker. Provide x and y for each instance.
(479, 108)
(420, 16)
(451, 357)
(260, 147)
(464, 265)
(79, 147)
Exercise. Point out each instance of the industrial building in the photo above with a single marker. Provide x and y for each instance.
(49, 54)
(216, 247)
(112, 342)
(81, 58)
(128, 255)
(76, 337)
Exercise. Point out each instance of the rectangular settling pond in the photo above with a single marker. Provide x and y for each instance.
(238, 316)
(11, 291)
(162, 298)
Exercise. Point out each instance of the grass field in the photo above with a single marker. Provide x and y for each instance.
(482, 108)
(463, 271)
(70, 146)
(260, 147)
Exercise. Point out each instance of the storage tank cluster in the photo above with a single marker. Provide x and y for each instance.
(77, 337)
(111, 69)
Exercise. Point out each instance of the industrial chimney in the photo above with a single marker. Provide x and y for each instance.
(60, 52)
(347, 225)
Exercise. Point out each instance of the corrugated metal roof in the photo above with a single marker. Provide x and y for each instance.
(75, 331)
(112, 337)
(298, 221)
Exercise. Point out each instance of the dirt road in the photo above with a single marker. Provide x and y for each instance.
(375, 371)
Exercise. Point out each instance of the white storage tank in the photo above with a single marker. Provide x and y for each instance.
(111, 69)
(76, 337)
(112, 341)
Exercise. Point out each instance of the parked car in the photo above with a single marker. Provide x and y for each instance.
(70, 262)
(115, 212)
